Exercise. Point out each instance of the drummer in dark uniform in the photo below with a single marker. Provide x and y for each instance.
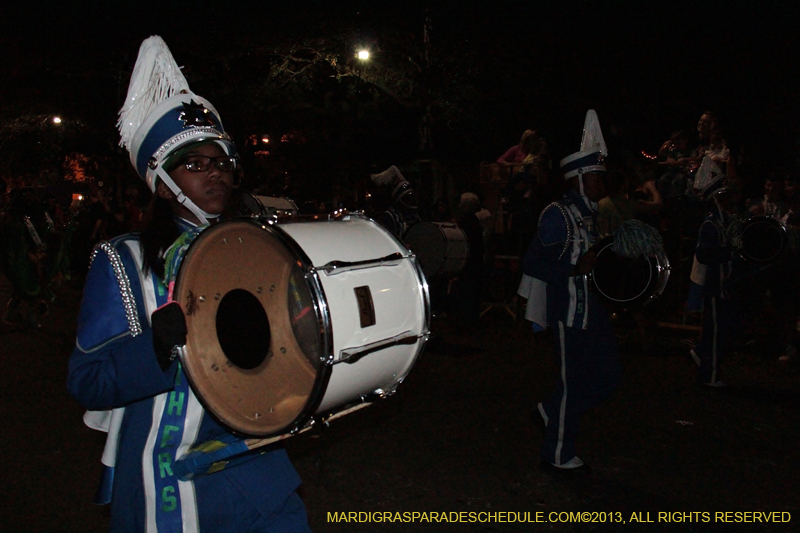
(715, 264)
(556, 267)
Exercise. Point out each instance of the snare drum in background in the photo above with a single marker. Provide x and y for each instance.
(627, 282)
(249, 205)
(441, 247)
(759, 239)
(294, 320)
(278, 206)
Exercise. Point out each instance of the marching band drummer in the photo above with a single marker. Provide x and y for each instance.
(124, 366)
(556, 285)
(713, 272)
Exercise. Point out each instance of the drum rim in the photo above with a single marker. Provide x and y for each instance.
(659, 276)
(324, 321)
(323, 317)
(771, 221)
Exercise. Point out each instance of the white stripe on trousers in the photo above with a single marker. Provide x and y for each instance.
(714, 340)
(562, 411)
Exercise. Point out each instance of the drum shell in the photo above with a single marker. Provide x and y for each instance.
(442, 248)
(361, 239)
(399, 298)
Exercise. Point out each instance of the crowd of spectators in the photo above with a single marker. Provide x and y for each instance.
(47, 237)
(656, 189)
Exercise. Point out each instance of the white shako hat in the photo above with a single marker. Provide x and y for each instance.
(401, 189)
(592, 153)
(709, 180)
(162, 116)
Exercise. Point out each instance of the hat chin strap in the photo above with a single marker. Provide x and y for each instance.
(592, 205)
(184, 200)
(722, 213)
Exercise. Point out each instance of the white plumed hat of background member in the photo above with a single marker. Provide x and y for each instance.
(402, 191)
(592, 153)
(709, 180)
(161, 115)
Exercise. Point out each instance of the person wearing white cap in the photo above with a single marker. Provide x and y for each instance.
(124, 367)
(555, 282)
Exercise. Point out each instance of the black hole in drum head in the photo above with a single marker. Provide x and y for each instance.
(243, 329)
(762, 241)
(620, 278)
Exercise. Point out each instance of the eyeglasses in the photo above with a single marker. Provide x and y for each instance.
(201, 163)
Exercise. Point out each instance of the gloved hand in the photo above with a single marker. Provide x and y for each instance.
(169, 332)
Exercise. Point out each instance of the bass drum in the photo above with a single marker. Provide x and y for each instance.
(288, 322)
(441, 247)
(627, 282)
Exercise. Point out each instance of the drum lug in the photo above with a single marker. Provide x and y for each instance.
(338, 267)
(351, 355)
(298, 429)
(379, 394)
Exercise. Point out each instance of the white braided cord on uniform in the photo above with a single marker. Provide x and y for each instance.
(128, 300)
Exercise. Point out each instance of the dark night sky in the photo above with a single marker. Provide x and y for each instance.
(648, 68)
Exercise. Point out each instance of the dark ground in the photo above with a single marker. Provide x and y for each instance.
(457, 437)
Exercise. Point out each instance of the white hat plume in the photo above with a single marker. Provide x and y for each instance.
(156, 77)
(390, 176)
(592, 134)
(707, 175)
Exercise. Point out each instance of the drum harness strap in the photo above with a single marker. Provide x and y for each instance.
(51, 226)
(724, 269)
(581, 241)
(40, 247)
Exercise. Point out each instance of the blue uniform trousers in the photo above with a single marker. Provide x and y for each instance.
(589, 371)
(720, 324)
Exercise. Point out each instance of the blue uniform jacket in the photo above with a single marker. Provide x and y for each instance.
(714, 251)
(552, 255)
(113, 365)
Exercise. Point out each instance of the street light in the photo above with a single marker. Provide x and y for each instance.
(363, 55)
(56, 120)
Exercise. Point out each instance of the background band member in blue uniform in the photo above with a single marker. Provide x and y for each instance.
(556, 267)
(715, 264)
(124, 368)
